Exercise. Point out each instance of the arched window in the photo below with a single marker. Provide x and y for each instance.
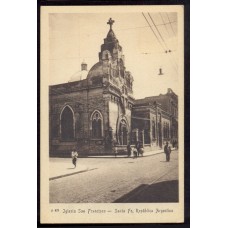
(96, 124)
(67, 124)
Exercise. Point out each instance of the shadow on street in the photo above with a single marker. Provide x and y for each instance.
(162, 192)
(70, 174)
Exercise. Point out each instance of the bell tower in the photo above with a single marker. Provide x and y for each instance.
(111, 47)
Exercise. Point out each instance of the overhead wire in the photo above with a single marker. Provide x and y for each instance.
(163, 45)
(170, 23)
(164, 24)
(149, 26)
(165, 49)
(174, 62)
(158, 32)
(91, 34)
(116, 30)
(153, 32)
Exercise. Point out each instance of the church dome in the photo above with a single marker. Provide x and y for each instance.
(80, 75)
(96, 70)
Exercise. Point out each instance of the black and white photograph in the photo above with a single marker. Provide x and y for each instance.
(112, 110)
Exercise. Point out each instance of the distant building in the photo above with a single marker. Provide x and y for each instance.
(96, 109)
(155, 119)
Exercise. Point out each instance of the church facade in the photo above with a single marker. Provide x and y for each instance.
(95, 112)
(96, 109)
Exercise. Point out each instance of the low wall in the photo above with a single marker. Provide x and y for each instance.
(83, 147)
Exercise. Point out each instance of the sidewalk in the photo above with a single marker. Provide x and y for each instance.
(146, 154)
(63, 167)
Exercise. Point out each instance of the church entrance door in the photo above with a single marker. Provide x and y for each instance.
(124, 136)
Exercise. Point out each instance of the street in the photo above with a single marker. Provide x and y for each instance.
(107, 180)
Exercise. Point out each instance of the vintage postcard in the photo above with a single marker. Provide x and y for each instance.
(112, 114)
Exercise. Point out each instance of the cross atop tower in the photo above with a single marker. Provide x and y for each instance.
(110, 22)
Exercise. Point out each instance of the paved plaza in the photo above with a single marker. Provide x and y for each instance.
(109, 179)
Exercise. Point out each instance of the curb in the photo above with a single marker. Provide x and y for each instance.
(123, 156)
(70, 174)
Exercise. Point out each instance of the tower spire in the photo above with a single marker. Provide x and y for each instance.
(110, 22)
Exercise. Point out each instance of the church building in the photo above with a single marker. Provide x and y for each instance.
(96, 109)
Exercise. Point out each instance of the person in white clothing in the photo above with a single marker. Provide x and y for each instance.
(74, 155)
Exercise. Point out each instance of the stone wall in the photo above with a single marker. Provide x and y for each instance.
(83, 103)
(77, 102)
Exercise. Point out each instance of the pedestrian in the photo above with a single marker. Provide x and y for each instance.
(137, 146)
(129, 150)
(74, 155)
(167, 151)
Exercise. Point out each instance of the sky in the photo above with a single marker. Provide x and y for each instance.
(77, 37)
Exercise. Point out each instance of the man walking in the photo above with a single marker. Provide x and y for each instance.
(137, 146)
(167, 151)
